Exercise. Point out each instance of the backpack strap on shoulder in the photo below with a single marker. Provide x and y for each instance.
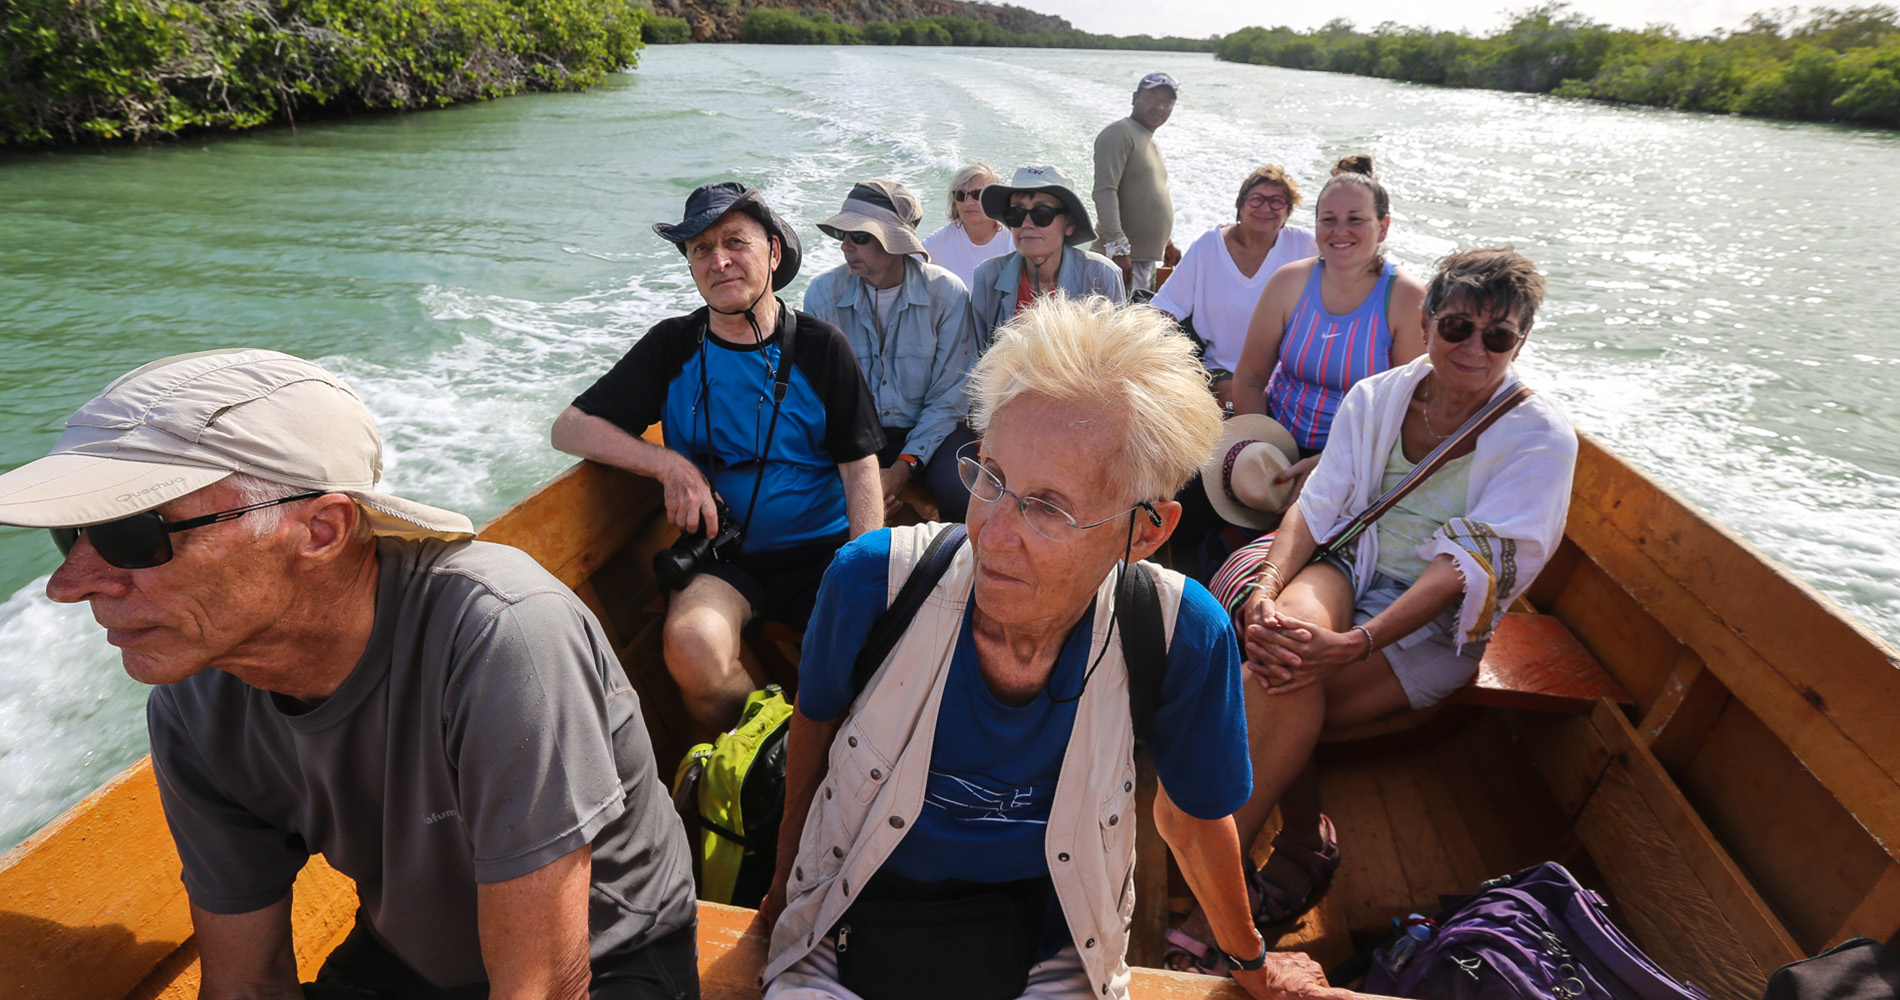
(1144, 646)
(891, 625)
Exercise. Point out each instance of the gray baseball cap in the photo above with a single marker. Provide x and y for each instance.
(182, 423)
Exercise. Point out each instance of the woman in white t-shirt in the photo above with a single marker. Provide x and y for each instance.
(972, 237)
(1219, 280)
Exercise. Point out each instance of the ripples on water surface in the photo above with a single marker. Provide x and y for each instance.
(1723, 293)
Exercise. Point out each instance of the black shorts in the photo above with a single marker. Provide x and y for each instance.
(363, 968)
(781, 586)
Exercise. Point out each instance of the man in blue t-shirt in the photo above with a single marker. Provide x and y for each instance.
(791, 450)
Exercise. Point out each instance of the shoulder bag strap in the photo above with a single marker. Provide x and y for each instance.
(1144, 646)
(1441, 456)
(890, 625)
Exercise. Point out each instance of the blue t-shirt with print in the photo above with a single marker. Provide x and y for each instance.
(993, 766)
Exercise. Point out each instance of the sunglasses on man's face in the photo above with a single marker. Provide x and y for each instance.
(859, 238)
(969, 194)
(1455, 329)
(144, 540)
(1041, 215)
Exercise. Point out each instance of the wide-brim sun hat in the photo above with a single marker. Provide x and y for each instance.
(709, 202)
(1238, 477)
(887, 210)
(1046, 179)
(180, 424)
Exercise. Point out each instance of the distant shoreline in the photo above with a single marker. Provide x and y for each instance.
(1839, 66)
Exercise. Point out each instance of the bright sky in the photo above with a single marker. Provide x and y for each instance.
(1200, 18)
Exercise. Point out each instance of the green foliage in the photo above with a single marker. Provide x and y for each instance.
(661, 30)
(787, 27)
(135, 69)
(772, 25)
(1838, 65)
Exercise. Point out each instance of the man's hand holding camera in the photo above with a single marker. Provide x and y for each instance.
(689, 497)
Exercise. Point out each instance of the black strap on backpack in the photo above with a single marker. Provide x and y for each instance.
(890, 625)
(1144, 647)
(1144, 634)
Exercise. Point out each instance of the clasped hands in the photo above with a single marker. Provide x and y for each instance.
(1285, 653)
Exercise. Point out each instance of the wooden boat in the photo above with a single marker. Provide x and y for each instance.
(1731, 782)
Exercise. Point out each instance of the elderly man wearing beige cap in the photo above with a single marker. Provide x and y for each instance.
(345, 672)
(909, 324)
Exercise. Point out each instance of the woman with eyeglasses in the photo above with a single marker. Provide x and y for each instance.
(1214, 290)
(1398, 617)
(982, 761)
(971, 237)
(1050, 227)
(1324, 324)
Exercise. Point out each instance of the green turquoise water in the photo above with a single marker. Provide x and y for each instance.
(1724, 294)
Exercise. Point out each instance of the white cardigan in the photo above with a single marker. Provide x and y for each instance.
(1515, 509)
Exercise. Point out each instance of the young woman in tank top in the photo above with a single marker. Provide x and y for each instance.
(1325, 323)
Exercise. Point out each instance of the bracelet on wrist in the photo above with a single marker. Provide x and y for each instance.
(1370, 644)
(1247, 966)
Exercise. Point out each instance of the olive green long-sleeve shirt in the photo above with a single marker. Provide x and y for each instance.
(1131, 191)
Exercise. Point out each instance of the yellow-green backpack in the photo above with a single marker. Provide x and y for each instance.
(736, 787)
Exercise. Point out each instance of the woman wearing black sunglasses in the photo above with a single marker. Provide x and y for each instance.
(1396, 617)
(1050, 227)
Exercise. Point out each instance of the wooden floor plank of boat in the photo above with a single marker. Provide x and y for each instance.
(1439, 819)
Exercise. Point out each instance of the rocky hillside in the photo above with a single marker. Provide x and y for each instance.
(719, 20)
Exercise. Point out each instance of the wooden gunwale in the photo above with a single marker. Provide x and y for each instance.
(1704, 631)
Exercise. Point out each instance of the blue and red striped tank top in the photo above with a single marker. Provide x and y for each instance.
(1322, 355)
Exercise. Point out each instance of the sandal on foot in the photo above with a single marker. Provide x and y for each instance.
(1207, 959)
(1276, 904)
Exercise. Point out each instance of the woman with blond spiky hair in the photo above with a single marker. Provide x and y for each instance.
(959, 816)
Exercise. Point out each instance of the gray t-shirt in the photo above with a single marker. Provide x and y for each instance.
(487, 731)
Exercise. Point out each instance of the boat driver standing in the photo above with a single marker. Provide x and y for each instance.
(344, 672)
(787, 448)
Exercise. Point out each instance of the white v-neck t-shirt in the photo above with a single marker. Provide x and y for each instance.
(1207, 285)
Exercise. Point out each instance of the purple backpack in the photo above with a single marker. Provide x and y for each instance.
(1535, 934)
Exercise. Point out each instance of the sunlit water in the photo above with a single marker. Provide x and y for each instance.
(1723, 304)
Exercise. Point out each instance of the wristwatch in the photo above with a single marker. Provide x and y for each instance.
(910, 460)
(1253, 966)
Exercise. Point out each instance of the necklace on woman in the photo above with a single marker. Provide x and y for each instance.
(1425, 417)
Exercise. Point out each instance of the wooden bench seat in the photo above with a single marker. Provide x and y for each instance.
(1533, 663)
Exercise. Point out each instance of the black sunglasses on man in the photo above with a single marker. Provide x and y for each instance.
(144, 540)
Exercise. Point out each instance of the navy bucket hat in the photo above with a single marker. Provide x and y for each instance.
(709, 202)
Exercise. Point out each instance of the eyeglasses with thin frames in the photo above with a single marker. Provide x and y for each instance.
(1456, 329)
(144, 540)
(1047, 519)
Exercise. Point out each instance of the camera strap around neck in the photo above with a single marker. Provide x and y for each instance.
(781, 380)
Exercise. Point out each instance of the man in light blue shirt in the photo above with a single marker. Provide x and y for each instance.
(909, 324)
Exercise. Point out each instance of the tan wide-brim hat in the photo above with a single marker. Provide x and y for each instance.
(182, 423)
(887, 210)
(1253, 449)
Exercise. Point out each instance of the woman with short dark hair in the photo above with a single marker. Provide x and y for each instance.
(1396, 617)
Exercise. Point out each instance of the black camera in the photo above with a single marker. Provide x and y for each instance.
(680, 562)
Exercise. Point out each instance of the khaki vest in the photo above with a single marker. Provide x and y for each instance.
(881, 759)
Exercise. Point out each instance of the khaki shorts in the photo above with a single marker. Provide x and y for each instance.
(1429, 667)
